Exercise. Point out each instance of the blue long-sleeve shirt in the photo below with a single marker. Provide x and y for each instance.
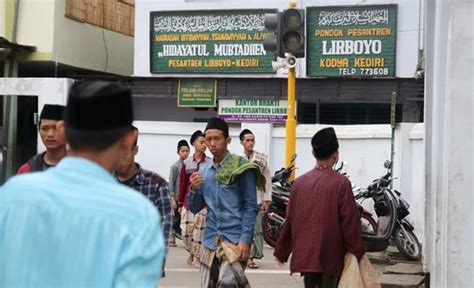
(232, 208)
(75, 226)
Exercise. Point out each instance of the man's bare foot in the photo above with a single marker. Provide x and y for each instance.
(190, 259)
(197, 262)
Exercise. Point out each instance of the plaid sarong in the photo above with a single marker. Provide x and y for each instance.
(198, 232)
(225, 262)
(192, 229)
(187, 226)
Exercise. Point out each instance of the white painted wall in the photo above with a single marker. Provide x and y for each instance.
(35, 24)
(407, 36)
(87, 46)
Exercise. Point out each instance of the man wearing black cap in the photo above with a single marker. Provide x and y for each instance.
(52, 138)
(228, 188)
(175, 170)
(79, 226)
(247, 139)
(192, 223)
(322, 222)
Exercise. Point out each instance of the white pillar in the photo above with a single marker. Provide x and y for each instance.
(449, 146)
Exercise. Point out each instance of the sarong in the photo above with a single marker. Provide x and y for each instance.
(222, 268)
(256, 251)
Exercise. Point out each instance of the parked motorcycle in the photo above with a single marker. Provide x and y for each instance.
(391, 210)
(368, 224)
(274, 219)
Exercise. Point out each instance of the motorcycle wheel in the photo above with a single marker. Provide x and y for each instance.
(271, 230)
(369, 226)
(408, 244)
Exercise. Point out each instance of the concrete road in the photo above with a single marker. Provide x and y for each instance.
(179, 274)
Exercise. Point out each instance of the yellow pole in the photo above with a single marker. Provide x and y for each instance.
(290, 142)
(290, 120)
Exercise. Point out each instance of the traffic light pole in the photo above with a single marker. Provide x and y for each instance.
(290, 120)
(288, 42)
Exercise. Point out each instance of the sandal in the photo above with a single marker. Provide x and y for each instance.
(252, 265)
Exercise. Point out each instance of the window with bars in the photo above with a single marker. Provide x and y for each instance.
(346, 113)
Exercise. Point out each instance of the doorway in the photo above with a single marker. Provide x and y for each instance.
(18, 132)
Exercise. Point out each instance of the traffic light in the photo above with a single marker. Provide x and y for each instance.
(289, 32)
(273, 42)
(292, 31)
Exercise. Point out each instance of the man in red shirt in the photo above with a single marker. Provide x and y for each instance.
(51, 131)
(322, 222)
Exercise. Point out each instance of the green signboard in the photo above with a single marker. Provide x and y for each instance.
(224, 41)
(197, 93)
(352, 41)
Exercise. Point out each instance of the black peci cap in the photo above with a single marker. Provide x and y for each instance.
(325, 143)
(52, 112)
(182, 143)
(243, 133)
(99, 105)
(219, 124)
(196, 134)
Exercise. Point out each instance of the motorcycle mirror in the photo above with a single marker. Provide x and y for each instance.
(293, 158)
(387, 164)
(341, 165)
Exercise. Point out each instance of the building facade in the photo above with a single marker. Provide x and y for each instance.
(59, 38)
(328, 90)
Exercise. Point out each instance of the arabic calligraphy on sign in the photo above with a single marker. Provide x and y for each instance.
(207, 23)
(353, 17)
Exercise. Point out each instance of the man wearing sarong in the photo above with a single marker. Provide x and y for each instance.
(322, 222)
(247, 139)
(175, 170)
(192, 223)
(228, 188)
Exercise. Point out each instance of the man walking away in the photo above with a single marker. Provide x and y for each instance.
(322, 222)
(151, 185)
(228, 188)
(192, 223)
(52, 138)
(175, 170)
(73, 225)
(247, 140)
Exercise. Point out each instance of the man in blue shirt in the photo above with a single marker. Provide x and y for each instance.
(228, 188)
(74, 225)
